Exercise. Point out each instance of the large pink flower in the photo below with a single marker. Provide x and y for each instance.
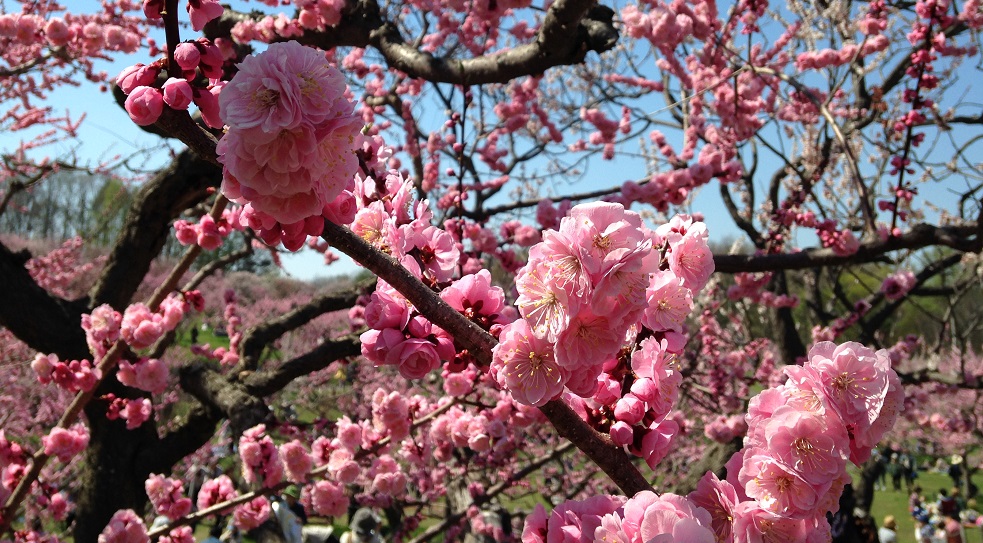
(282, 87)
(526, 366)
(669, 303)
(777, 487)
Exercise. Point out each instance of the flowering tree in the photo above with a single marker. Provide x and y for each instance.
(540, 302)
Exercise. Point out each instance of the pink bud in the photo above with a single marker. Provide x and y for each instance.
(621, 433)
(645, 389)
(135, 76)
(187, 56)
(177, 93)
(144, 105)
(629, 409)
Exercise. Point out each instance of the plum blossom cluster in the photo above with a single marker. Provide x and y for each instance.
(289, 148)
(57, 270)
(196, 79)
(261, 464)
(780, 486)
(73, 376)
(125, 527)
(208, 233)
(66, 443)
(140, 327)
(167, 496)
(896, 285)
(751, 286)
(583, 291)
(135, 411)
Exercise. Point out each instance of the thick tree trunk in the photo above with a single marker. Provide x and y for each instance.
(112, 475)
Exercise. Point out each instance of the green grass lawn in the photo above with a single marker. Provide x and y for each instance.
(889, 502)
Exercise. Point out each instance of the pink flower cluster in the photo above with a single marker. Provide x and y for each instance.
(289, 149)
(135, 411)
(751, 286)
(72, 376)
(141, 327)
(260, 458)
(584, 288)
(146, 98)
(149, 374)
(724, 429)
(835, 407)
(297, 462)
(102, 328)
(167, 496)
(125, 527)
(329, 499)
(66, 443)
(252, 513)
(215, 491)
(896, 285)
(208, 233)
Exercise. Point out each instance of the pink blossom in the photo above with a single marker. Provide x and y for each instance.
(144, 105)
(136, 412)
(202, 11)
(252, 513)
(66, 443)
(177, 93)
(125, 527)
(282, 87)
(719, 499)
(527, 366)
(215, 491)
(690, 258)
(187, 56)
(669, 302)
(181, 534)
(587, 340)
(755, 524)
(297, 462)
(147, 374)
(329, 499)
(577, 520)
(896, 285)
(135, 76)
(777, 487)
(167, 496)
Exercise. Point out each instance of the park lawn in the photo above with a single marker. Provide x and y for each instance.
(889, 502)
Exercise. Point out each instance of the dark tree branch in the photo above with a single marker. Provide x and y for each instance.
(46, 323)
(264, 383)
(215, 391)
(257, 338)
(571, 29)
(961, 238)
(181, 185)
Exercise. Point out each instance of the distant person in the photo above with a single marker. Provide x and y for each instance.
(364, 528)
(947, 504)
(888, 532)
(894, 470)
(955, 470)
(290, 523)
(915, 500)
(291, 495)
(953, 530)
(908, 468)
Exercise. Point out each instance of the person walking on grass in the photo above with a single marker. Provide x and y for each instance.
(888, 532)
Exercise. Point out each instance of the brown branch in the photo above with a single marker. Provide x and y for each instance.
(571, 29)
(465, 332)
(264, 383)
(961, 238)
